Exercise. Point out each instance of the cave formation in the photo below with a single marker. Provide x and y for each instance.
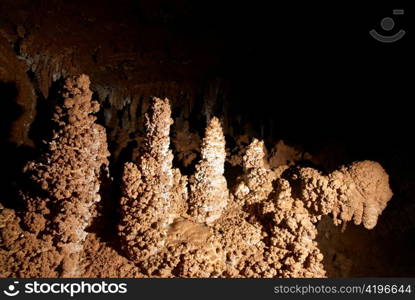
(150, 139)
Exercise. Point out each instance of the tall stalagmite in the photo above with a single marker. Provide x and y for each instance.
(67, 177)
(153, 192)
(266, 228)
(208, 188)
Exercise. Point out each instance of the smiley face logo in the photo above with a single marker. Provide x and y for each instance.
(388, 24)
(11, 290)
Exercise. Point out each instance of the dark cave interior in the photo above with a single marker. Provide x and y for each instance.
(309, 76)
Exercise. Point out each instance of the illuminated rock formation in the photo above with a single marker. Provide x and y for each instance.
(256, 183)
(208, 189)
(268, 231)
(67, 177)
(242, 243)
(149, 204)
(292, 251)
(23, 254)
(266, 228)
(153, 230)
(359, 191)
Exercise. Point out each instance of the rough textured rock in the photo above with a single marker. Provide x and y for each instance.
(23, 254)
(359, 191)
(98, 256)
(209, 194)
(256, 183)
(147, 205)
(207, 64)
(367, 194)
(292, 251)
(266, 228)
(263, 230)
(65, 181)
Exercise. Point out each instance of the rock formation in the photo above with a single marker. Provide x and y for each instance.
(256, 183)
(292, 251)
(153, 229)
(359, 191)
(66, 179)
(265, 228)
(208, 189)
(148, 204)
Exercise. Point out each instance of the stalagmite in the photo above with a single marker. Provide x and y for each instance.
(256, 183)
(208, 188)
(67, 177)
(265, 228)
(148, 204)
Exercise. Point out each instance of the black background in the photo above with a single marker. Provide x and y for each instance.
(315, 67)
(315, 70)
